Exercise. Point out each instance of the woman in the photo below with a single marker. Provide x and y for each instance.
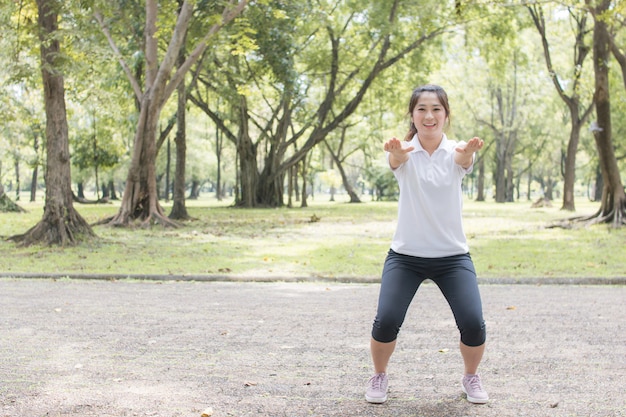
(429, 242)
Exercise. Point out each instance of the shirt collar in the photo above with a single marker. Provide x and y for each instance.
(418, 146)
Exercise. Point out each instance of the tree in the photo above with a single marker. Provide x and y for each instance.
(339, 157)
(317, 79)
(613, 205)
(579, 113)
(61, 224)
(140, 199)
(505, 126)
(505, 95)
(28, 121)
(94, 148)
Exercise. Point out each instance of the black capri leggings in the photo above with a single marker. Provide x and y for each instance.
(456, 278)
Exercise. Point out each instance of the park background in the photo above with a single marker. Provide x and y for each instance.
(181, 141)
(244, 139)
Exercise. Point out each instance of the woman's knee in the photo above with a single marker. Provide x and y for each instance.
(474, 333)
(386, 328)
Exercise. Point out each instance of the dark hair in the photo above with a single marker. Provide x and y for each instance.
(427, 88)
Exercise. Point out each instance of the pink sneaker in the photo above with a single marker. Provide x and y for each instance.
(377, 389)
(473, 388)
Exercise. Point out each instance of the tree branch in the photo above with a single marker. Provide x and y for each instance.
(230, 12)
(221, 125)
(173, 49)
(536, 12)
(619, 56)
(131, 78)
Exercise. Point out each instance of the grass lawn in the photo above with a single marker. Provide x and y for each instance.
(349, 241)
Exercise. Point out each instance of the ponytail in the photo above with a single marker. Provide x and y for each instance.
(412, 131)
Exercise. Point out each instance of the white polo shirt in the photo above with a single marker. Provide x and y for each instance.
(429, 209)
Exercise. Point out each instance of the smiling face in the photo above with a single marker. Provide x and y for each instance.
(429, 115)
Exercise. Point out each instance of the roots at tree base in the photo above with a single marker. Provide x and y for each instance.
(8, 206)
(124, 219)
(56, 229)
(614, 217)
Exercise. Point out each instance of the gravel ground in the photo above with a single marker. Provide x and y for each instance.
(146, 348)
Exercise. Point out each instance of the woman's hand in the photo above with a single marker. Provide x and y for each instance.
(398, 153)
(465, 153)
(474, 144)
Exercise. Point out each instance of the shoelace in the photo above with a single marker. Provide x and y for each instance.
(376, 381)
(474, 382)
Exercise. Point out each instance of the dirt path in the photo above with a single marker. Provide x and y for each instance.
(135, 348)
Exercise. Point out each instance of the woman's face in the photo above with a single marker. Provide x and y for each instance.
(429, 116)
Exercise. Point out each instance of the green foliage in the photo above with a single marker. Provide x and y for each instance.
(384, 183)
(498, 36)
(278, 53)
(88, 154)
(273, 28)
(19, 44)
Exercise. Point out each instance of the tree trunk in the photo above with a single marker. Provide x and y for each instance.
(548, 195)
(219, 192)
(16, 166)
(480, 196)
(194, 193)
(598, 185)
(613, 206)
(112, 193)
(33, 184)
(529, 183)
(510, 181)
(500, 171)
(296, 170)
(569, 174)
(61, 224)
(168, 167)
(305, 163)
(35, 177)
(140, 199)
(248, 166)
(290, 187)
(270, 189)
(354, 198)
(179, 210)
